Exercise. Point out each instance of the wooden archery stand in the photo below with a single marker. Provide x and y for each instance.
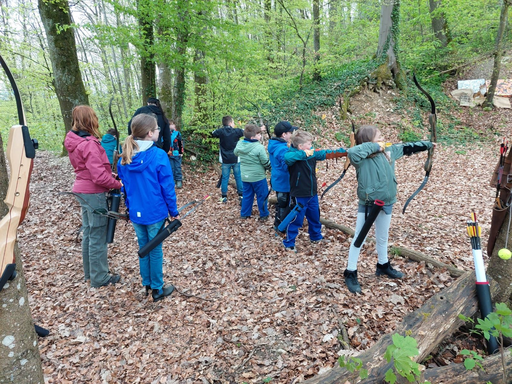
(20, 154)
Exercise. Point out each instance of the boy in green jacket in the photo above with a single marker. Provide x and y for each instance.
(253, 165)
(375, 169)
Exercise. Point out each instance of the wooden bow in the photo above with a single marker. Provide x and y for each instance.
(20, 154)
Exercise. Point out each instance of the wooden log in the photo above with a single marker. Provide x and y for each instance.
(401, 251)
(457, 374)
(418, 256)
(429, 325)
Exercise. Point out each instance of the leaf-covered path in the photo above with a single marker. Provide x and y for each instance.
(260, 313)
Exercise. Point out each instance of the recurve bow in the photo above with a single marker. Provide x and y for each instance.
(21, 150)
(432, 119)
(347, 162)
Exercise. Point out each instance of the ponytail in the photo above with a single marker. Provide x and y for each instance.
(141, 125)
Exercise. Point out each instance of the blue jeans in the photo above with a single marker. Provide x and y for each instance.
(312, 212)
(226, 169)
(176, 167)
(94, 240)
(151, 269)
(260, 188)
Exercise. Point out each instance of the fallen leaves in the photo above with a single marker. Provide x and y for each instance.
(256, 311)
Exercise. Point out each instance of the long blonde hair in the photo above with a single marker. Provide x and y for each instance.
(85, 119)
(141, 125)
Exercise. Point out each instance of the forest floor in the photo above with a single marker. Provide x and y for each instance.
(258, 314)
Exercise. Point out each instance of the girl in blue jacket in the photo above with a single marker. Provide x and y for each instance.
(374, 162)
(150, 197)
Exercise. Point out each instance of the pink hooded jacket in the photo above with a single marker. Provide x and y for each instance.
(88, 158)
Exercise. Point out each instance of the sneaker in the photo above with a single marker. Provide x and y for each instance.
(245, 217)
(223, 200)
(291, 249)
(179, 184)
(351, 281)
(165, 291)
(112, 280)
(263, 218)
(387, 269)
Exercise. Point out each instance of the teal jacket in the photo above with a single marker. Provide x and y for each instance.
(376, 174)
(253, 160)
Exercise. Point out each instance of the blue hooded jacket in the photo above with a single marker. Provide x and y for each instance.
(149, 187)
(280, 177)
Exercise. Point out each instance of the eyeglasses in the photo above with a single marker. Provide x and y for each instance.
(156, 129)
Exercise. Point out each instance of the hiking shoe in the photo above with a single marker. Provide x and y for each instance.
(387, 269)
(223, 200)
(263, 218)
(245, 217)
(148, 289)
(179, 184)
(291, 249)
(320, 241)
(351, 281)
(165, 291)
(113, 280)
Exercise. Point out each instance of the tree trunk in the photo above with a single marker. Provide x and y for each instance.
(147, 55)
(181, 46)
(201, 116)
(439, 313)
(69, 86)
(439, 23)
(497, 54)
(19, 353)
(316, 39)
(388, 42)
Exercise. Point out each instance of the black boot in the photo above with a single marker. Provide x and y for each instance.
(166, 291)
(148, 288)
(387, 269)
(351, 281)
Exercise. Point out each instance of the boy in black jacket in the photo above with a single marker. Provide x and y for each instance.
(229, 136)
(301, 161)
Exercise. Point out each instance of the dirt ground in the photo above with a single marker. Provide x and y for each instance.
(247, 310)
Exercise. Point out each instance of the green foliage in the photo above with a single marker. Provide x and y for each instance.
(353, 364)
(401, 352)
(472, 361)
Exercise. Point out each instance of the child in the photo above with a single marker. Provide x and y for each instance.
(301, 161)
(280, 178)
(375, 169)
(150, 197)
(253, 163)
(109, 143)
(93, 179)
(175, 154)
(229, 137)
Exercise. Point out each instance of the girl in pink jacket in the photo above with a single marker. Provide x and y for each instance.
(93, 180)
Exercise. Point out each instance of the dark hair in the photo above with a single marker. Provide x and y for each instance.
(226, 120)
(111, 131)
(251, 130)
(366, 134)
(155, 101)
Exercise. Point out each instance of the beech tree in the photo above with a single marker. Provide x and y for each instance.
(67, 79)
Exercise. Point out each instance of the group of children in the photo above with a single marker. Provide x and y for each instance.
(292, 162)
(148, 184)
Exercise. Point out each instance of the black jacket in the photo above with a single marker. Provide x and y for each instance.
(164, 141)
(302, 176)
(228, 139)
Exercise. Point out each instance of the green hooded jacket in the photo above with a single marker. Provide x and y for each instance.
(376, 174)
(253, 160)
